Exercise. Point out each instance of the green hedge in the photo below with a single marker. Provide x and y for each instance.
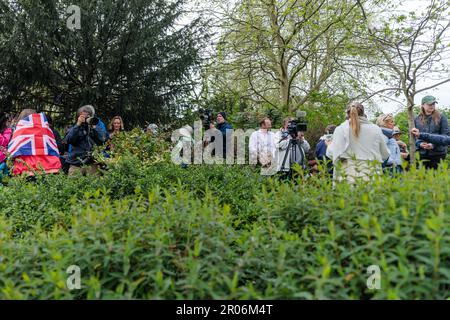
(224, 232)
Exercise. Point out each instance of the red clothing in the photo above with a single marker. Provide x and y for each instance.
(33, 147)
(5, 137)
(28, 164)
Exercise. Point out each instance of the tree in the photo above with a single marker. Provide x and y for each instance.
(284, 51)
(130, 57)
(413, 47)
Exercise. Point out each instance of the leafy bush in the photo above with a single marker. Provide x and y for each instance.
(223, 232)
(146, 148)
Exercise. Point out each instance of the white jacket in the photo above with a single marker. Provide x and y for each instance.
(261, 145)
(370, 145)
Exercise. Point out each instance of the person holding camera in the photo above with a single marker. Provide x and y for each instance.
(291, 148)
(83, 137)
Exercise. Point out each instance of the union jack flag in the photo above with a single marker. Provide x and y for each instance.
(33, 137)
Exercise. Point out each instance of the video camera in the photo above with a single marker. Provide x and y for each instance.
(298, 124)
(206, 115)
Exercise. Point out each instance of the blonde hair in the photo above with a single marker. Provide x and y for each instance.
(111, 128)
(354, 111)
(383, 119)
(25, 113)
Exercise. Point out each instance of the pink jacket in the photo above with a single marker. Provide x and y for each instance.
(5, 137)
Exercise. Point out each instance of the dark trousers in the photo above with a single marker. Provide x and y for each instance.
(432, 162)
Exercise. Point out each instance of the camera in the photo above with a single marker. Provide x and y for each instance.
(92, 121)
(298, 124)
(206, 115)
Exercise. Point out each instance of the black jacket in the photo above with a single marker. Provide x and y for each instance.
(431, 127)
(83, 140)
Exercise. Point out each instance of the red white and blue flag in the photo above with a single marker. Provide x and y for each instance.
(33, 137)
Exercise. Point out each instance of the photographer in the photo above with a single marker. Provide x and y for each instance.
(291, 148)
(82, 137)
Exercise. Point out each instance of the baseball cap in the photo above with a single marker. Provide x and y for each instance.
(428, 100)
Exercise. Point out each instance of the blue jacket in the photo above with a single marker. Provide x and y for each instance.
(223, 127)
(395, 158)
(431, 127)
(436, 139)
(82, 140)
(321, 150)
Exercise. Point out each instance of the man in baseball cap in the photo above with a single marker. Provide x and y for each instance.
(404, 153)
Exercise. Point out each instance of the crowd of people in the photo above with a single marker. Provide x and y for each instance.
(355, 149)
(348, 151)
(357, 143)
(33, 144)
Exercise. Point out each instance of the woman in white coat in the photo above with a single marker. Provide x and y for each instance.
(358, 147)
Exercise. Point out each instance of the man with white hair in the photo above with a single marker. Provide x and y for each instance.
(82, 138)
(152, 129)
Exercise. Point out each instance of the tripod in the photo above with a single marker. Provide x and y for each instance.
(291, 150)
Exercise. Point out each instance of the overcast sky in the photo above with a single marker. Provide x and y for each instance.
(442, 93)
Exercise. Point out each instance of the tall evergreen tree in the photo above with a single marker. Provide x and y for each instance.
(132, 58)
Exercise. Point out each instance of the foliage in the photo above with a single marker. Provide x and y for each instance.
(143, 146)
(223, 232)
(279, 53)
(128, 58)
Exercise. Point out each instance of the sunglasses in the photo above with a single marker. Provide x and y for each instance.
(387, 116)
